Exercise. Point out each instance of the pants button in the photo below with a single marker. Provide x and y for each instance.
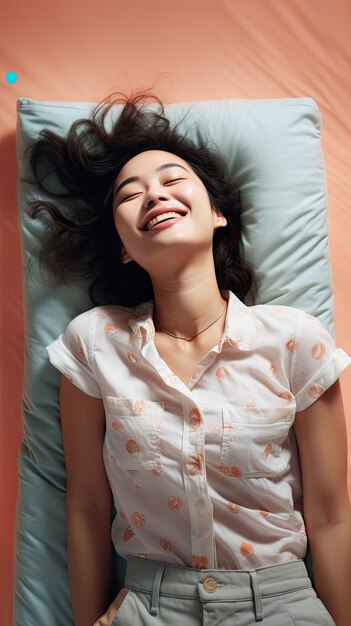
(210, 584)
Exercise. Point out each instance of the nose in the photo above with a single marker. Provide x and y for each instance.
(155, 195)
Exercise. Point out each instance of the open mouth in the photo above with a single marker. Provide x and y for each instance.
(163, 217)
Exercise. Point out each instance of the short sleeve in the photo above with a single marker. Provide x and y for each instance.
(72, 353)
(316, 361)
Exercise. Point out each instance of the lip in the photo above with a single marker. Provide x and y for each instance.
(163, 225)
(164, 209)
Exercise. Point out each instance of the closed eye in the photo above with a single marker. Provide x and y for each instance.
(131, 196)
(174, 180)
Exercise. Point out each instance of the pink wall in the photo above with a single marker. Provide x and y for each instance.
(195, 50)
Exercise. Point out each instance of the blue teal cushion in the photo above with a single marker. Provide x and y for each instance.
(274, 154)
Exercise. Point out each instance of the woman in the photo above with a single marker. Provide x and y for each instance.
(212, 415)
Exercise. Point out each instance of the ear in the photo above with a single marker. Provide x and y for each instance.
(218, 219)
(125, 256)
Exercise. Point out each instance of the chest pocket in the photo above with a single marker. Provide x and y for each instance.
(133, 432)
(252, 440)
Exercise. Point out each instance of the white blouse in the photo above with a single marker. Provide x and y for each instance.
(207, 474)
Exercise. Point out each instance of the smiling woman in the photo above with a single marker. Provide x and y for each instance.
(200, 402)
(151, 220)
(93, 166)
(178, 207)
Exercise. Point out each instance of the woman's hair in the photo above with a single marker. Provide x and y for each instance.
(81, 242)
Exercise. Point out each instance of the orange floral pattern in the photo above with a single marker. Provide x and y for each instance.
(195, 418)
(138, 406)
(222, 373)
(80, 353)
(234, 508)
(195, 464)
(138, 519)
(292, 345)
(315, 391)
(128, 533)
(246, 548)
(318, 351)
(132, 446)
(111, 329)
(286, 395)
(267, 451)
(199, 562)
(175, 503)
(273, 367)
(233, 471)
(132, 358)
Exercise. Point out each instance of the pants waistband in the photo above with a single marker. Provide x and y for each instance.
(212, 585)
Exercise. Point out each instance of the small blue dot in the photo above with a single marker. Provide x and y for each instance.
(11, 77)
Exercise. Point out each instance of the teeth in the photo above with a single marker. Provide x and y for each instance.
(160, 218)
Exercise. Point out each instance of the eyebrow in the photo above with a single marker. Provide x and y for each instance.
(131, 179)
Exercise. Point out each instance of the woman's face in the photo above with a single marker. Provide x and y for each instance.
(161, 206)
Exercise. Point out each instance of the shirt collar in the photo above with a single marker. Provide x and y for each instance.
(239, 331)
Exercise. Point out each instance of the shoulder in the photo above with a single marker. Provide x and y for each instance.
(276, 320)
(86, 324)
(298, 328)
(116, 322)
(103, 312)
(113, 314)
(287, 312)
(276, 311)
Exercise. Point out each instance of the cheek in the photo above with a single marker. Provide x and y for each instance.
(190, 192)
(197, 194)
(126, 224)
(122, 219)
(120, 227)
(116, 221)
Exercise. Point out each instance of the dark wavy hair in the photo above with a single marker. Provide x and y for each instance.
(81, 242)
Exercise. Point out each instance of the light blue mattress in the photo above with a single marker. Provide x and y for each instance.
(273, 150)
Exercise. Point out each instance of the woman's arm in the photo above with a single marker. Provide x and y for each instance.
(322, 441)
(88, 503)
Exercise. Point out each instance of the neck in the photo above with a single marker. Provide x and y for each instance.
(187, 307)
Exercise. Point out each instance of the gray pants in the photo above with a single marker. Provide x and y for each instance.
(156, 594)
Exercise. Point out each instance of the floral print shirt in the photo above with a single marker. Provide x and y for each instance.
(206, 474)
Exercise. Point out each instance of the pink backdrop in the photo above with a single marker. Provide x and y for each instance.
(194, 50)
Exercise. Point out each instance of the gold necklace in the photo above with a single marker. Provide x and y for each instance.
(192, 336)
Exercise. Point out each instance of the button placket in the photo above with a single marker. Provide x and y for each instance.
(193, 460)
(202, 366)
(195, 481)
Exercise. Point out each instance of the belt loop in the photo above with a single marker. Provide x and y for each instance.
(257, 595)
(156, 589)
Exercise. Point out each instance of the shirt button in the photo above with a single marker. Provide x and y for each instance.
(210, 584)
(200, 503)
